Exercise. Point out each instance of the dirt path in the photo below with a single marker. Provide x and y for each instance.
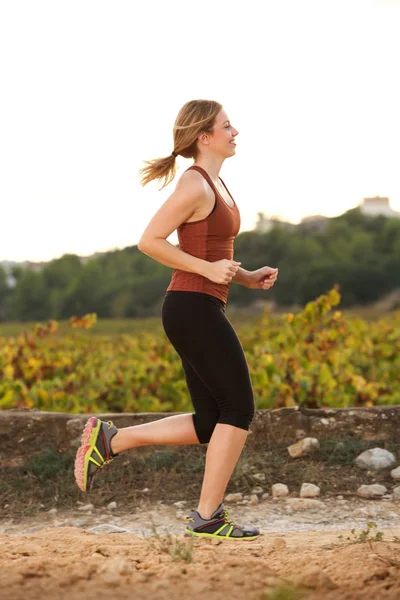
(301, 545)
(68, 563)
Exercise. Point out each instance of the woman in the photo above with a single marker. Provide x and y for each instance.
(193, 315)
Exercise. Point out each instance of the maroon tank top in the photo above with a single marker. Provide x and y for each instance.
(210, 239)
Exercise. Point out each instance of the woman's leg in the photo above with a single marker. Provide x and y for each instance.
(178, 430)
(223, 452)
(206, 338)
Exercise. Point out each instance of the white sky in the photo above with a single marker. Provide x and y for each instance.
(90, 89)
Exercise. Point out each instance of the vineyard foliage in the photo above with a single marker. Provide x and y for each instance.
(316, 358)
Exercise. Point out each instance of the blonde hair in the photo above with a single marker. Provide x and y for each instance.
(194, 117)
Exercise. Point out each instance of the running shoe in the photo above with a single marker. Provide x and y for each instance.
(220, 526)
(94, 452)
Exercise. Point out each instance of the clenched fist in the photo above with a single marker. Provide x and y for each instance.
(222, 271)
(262, 279)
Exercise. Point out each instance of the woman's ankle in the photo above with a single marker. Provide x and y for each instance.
(205, 511)
(114, 443)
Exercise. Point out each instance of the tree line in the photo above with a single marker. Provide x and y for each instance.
(359, 252)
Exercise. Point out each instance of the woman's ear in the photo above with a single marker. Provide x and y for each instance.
(204, 138)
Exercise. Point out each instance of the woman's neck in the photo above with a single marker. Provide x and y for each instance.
(211, 165)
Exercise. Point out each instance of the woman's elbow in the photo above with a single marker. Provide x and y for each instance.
(146, 245)
(149, 243)
(143, 245)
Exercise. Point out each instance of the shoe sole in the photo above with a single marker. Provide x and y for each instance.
(221, 537)
(88, 441)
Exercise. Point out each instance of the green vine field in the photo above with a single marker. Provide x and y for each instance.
(316, 358)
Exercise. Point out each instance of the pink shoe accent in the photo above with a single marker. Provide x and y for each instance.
(79, 470)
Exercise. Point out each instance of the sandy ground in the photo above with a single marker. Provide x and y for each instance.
(67, 554)
(75, 564)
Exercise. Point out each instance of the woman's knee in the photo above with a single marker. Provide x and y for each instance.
(238, 417)
(204, 426)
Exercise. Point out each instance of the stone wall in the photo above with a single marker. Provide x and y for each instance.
(24, 432)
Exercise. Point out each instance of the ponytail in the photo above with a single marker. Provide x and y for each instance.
(159, 168)
(193, 118)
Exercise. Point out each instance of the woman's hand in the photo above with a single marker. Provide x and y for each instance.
(262, 279)
(222, 271)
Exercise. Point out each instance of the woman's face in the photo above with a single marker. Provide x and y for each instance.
(222, 141)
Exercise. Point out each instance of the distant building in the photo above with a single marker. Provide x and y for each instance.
(265, 224)
(8, 265)
(378, 206)
(35, 266)
(85, 259)
(314, 222)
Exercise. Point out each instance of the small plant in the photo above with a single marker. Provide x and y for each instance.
(283, 591)
(365, 535)
(177, 549)
(396, 539)
(48, 464)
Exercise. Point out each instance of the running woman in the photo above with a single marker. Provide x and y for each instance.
(207, 219)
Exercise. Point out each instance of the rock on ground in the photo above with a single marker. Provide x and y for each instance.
(303, 447)
(309, 490)
(108, 528)
(371, 491)
(396, 493)
(234, 497)
(180, 503)
(375, 458)
(279, 490)
(86, 507)
(395, 474)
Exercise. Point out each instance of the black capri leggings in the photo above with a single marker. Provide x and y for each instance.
(213, 360)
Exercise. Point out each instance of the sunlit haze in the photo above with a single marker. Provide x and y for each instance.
(90, 89)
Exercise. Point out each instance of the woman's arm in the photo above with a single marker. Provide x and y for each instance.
(241, 277)
(165, 253)
(179, 207)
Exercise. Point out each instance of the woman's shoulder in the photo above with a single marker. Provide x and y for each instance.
(191, 181)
